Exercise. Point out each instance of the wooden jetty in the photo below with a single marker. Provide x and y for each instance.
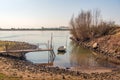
(26, 50)
(20, 53)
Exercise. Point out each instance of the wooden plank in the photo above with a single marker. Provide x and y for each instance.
(27, 50)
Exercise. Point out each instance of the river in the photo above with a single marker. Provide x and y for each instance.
(75, 56)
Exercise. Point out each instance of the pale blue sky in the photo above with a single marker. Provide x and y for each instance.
(52, 13)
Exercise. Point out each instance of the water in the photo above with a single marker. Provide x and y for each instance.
(75, 56)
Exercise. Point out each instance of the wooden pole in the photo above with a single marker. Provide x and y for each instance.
(66, 42)
(6, 47)
(48, 45)
(51, 40)
(48, 51)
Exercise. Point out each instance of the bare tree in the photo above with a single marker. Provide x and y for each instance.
(87, 26)
(73, 28)
(97, 16)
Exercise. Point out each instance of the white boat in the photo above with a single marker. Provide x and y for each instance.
(62, 49)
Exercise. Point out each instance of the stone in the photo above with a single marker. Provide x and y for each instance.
(95, 45)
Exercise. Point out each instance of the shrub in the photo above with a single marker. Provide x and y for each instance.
(87, 26)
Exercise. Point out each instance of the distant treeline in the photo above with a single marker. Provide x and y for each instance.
(32, 29)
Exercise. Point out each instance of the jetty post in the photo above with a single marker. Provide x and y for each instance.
(51, 40)
(51, 46)
(6, 48)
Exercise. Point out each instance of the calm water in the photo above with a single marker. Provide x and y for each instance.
(74, 57)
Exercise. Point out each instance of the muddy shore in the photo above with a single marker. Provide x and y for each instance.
(26, 70)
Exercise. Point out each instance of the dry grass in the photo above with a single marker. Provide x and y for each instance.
(5, 77)
(14, 45)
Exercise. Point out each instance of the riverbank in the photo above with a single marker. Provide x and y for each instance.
(15, 45)
(107, 47)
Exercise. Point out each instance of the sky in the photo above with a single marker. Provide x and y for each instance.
(52, 13)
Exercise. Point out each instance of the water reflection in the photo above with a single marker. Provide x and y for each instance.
(103, 62)
(84, 58)
(61, 53)
(51, 58)
(42, 58)
(81, 57)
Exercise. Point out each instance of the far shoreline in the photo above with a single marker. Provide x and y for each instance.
(35, 29)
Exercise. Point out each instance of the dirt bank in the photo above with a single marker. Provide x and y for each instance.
(107, 46)
(15, 45)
